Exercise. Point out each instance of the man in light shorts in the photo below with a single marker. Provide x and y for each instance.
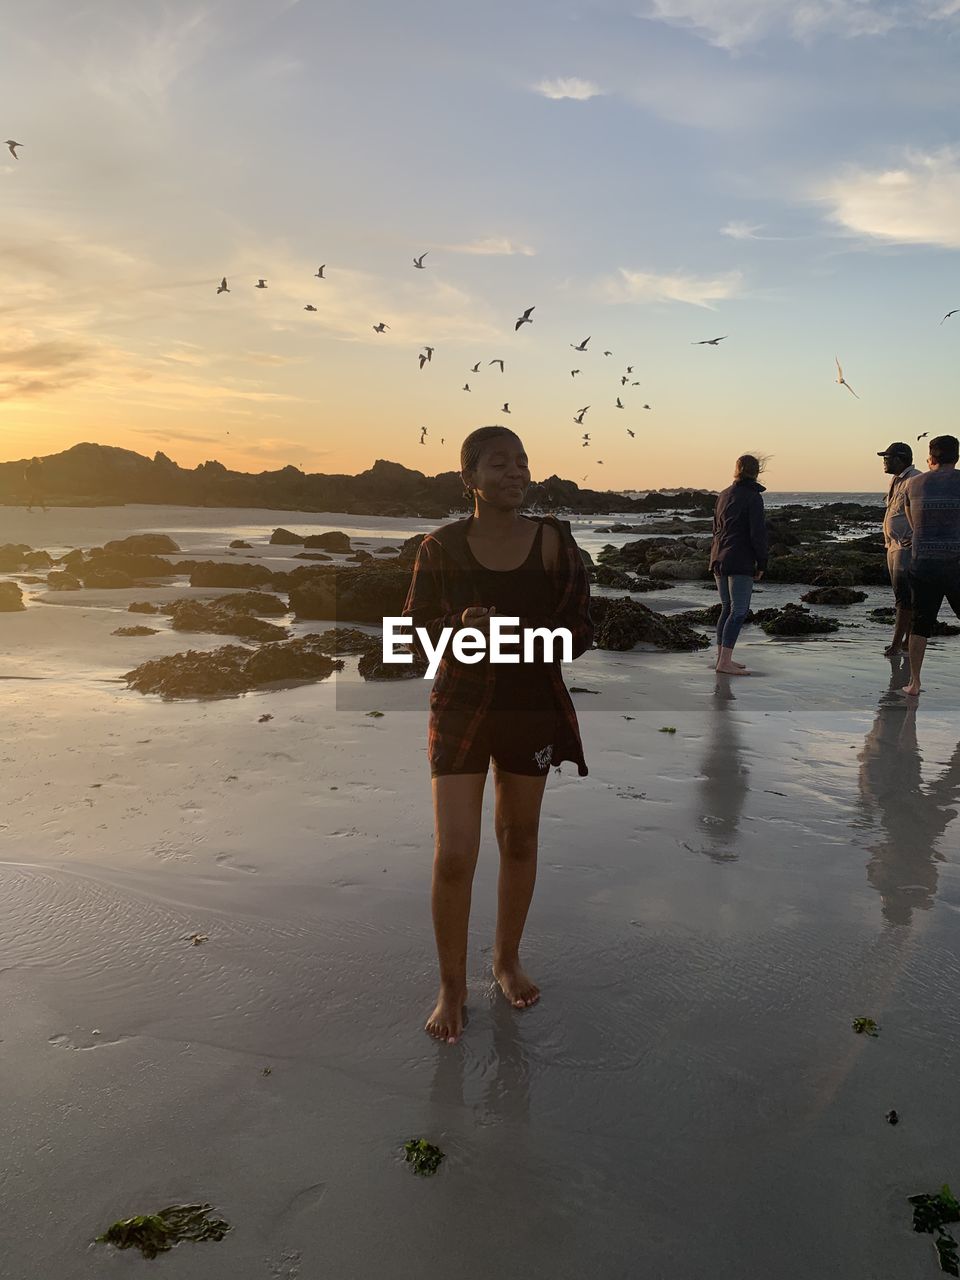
(897, 538)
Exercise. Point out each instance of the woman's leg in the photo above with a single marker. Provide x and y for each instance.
(740, 589)
(723, 589)
(518, 801)
(456, 805)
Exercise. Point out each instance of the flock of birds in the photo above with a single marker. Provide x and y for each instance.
(425, 356)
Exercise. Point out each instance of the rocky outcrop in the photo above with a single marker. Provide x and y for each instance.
(623, 623)
(834, 595)
(135, 631)
(63, 581)
(794, 620)
(11, 598)
(352, 595)
(230, 669)
(707, 617)
(194, 615)
(151, 544)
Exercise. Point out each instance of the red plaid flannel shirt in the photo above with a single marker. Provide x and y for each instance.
(443, 585)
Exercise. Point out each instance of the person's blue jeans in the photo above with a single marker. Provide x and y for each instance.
(735, 592)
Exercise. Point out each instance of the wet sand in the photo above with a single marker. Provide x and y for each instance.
(713, 909)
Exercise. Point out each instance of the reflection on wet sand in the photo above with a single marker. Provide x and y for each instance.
(504, 1072)
(911, 816)
(723, 782)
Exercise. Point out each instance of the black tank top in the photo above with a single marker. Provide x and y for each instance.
(524, 592)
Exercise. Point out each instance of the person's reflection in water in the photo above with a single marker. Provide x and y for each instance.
(913, 816)
(503, 1072)
(723, 785)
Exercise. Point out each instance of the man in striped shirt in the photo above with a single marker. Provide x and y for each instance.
(932, 506)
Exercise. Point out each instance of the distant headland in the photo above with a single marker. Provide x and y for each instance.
(98, 475)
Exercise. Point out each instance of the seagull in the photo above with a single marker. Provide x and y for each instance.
(585, 436)
(582, 346)
(634, 384)
(465, 387)
(946, 317)
(524, 319)
(309, 307)
(599, 462)
(608, 353)
(381, 327)
(423, 360)
(319, 273)
(579, 417)
(619, 403)
(222, 287)
(629, 368)
(475, 368)
(708, 342)
(423, 432)
(923, 435)
(261, 284)
(646, 406)
(506, 407)
(623, 380)
(586, 444)
(574, 372)
(630, 433)
(418, 262)
(842, 381)
(429, 353)
(441, 439)
(499, 362)
(13, 147)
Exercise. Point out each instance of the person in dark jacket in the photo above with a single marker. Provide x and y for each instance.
(738, 557)
(494, 562)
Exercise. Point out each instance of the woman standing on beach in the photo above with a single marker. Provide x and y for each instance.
(738, 557)
(495, 561)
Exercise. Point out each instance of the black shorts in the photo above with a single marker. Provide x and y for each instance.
(932, 583)
(898, 566)
(517, 741)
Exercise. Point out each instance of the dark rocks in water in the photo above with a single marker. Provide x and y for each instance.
(151, 544)
(135, 631)
(285, 538)
(11, 598)
(239, 543)
(606, 575)
(834, 595)
(887, 614)
(101, 568)
(707, 617)
(143, 606)
(373, 667)
(794, 620)
(342, 640)
(623, 623)
(194, 615)
(230, 669)
(652, 584)
(12, 556)
(387, 551)
(361, 556)
(367, 594)
(38, 560)
(945, 629)
(312, 555)
(333, 540)
(834, 567)
(210, 573)
(63, 581)
(409, 548)
(110, 579)
(259, 602)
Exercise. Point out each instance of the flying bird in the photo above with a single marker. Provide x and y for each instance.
(524, 319)
(309, 307)
(423, 360)
(623, 380)
(465, 387)
(319, 273)
(13, 147)
(222, 287)
(608, 353)
(586, 444)
(423, 432)
(381, 327)
(581, 346)
(923, 435)
(475, 368)
(574, 372)
(842, 380)
(261, 284)
(506, 407)
(630, 433)
(418, 262)
(646, 406)
(499, 362)
(708, 342)
(429, 352)
(629, 368)
(599, 462)
(634, 384)
(946, 317)
(579, 417)
(619, 403)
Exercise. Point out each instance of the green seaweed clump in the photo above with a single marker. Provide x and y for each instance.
(154, 1233)
(865, 1026)
(424, 1156)
(376, 715)
(667, 728)
(930, 1214)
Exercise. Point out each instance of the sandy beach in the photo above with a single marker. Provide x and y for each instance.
(714, 907)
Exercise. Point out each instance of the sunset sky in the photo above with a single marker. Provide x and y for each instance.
(785, 172)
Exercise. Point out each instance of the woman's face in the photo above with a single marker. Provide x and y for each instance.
(502, 474)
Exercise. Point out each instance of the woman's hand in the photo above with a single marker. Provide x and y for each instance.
(758, 575)
(477, 617)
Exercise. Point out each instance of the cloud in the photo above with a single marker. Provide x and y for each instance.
(731, 23)
(651, 286)
(568, 87)
(917, 203)
(495, 245)
(743, 231)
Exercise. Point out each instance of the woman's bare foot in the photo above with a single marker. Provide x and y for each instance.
(733, 669)
(516, 986)
(911, 690)
(893, 651)
(446, 1021)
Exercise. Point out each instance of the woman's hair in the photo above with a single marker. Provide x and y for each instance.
(472, 447)
(749, 466)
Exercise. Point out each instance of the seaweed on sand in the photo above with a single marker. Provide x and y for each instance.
(930, 1214)
(423, 1155)
(154, 1233)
